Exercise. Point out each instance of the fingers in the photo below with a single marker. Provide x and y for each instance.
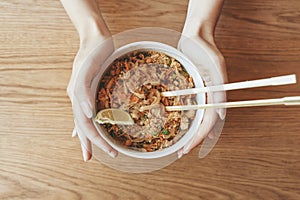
(86, 146)
(82, 89)
(85, 100)
(211, 135)
(86, 66)
(221, 112)
(91, 133)
(85, 126)
(180, 153)
(211, 65)
(209, 120)
(220, 97)
(205, 128)
(85, 153)
(74, 133)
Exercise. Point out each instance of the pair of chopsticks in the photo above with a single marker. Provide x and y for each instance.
(274, 81)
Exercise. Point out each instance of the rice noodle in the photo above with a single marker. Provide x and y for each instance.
(134, 83)
(155, 102)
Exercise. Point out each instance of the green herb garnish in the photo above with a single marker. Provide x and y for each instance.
(165, 132)
(144, 117)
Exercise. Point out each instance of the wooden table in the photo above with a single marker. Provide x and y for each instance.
(257, 156)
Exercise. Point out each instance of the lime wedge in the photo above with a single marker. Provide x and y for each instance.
(114, 116)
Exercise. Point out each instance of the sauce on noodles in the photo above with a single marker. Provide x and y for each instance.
(134, 83)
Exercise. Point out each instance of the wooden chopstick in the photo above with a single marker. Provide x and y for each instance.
(288, 101)
(280, 80)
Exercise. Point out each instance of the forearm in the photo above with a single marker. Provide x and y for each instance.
(86, 17)
(202, 17)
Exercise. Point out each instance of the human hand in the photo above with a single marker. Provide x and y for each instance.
(95, 46)
(197, 43)
(212, 68)
(86, 65)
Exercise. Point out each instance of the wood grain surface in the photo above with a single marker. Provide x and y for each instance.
(257, 156)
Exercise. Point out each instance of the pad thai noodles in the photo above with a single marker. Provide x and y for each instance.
(134, 83)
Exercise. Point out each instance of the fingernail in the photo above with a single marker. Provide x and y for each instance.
(211, 135)
(221, 113)
(180, 153)
(112, 154)
(186, 149)
(74, 133)
(86, 109)
(84, 154)
(85, 159)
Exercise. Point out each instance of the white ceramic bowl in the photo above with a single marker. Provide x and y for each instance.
(191, 69)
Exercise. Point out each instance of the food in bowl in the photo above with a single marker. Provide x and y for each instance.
(133, 83)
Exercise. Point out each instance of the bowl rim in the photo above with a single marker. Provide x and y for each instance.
(191, 69)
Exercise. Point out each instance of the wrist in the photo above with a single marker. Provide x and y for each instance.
(199, 28)
(201, 19)
(92, 27)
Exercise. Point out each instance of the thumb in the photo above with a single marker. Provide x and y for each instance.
(85, 99)
(91, 66)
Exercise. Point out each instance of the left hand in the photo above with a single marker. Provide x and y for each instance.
(86, 65)
(95, 46)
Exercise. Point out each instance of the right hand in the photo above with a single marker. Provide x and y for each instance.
(198, 44)
(205, 54)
